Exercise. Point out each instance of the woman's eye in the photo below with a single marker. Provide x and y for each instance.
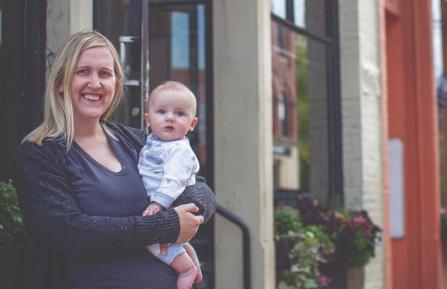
(83, 71)
(105, 74)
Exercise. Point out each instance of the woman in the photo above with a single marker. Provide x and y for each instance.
(79, 187)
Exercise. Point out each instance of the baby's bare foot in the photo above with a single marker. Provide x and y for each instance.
(185, 279)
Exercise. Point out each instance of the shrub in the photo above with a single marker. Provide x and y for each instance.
(11, 222)
(307, 247)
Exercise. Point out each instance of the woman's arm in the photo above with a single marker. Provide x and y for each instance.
(201, 195)
(52, 214)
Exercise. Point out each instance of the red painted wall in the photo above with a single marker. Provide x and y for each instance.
(416, 258)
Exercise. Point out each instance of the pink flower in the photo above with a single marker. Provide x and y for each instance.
(325, 280)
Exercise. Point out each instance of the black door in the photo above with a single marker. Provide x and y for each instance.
(22, 74)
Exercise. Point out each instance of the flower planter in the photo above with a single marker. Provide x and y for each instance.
(12, 267)
(337, 271)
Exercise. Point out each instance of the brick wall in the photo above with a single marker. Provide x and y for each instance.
(362, 127)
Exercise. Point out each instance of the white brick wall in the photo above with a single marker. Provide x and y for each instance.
(361, 120)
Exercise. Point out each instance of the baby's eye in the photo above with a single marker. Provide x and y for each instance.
(160, 111)
(179, 113)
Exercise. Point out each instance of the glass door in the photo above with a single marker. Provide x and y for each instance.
(159, 41)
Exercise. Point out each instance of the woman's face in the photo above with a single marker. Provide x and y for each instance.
(93, 85)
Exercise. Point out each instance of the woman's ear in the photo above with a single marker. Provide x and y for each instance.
(60, 86)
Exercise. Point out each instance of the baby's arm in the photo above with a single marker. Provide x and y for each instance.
(152, 209)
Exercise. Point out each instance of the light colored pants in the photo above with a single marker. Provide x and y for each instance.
(173, 251)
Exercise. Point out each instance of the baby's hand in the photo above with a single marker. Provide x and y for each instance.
(153, 208)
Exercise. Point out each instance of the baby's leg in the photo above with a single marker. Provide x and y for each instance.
(186, 270)
(192, 254)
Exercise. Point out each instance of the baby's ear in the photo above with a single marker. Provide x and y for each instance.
(146, 119)
(194, 122)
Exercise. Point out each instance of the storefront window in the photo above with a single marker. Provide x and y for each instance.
(301, 116)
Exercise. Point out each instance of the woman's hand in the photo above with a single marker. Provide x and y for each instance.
(189, 223)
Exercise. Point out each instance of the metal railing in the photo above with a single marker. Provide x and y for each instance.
(233, 218)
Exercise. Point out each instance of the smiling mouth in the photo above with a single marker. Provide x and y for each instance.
(91, 97)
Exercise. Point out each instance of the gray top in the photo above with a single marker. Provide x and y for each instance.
(101, 192)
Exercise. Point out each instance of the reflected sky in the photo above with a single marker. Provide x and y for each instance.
(279, 8)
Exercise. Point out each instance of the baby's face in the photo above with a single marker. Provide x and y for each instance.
(171, 114)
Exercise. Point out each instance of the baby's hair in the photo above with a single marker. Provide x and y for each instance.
(173, 85)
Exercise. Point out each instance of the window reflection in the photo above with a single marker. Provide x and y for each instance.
(299, 113)
(179, 40)
(299, 12)
(307, 14)
(279, 8)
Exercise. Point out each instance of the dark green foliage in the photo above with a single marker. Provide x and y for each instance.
(307, 247)
(353, 232)
(11, 222)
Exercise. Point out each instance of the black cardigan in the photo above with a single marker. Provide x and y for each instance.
(55, 223)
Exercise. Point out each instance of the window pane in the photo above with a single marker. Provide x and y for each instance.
(279, 8)
(310, 14)
(307, 14)
(299, 114)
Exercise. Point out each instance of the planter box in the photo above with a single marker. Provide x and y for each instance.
(335, 270)
(12, 267)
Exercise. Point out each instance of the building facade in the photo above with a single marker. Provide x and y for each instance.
(333, 99)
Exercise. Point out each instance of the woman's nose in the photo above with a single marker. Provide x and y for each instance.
(94, 81)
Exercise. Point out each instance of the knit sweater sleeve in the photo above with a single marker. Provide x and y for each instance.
(201, 195)
(52, 215)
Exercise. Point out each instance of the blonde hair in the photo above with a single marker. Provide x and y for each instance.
(58, 120)
(173, 85)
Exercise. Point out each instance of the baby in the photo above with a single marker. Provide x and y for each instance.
(167, 165)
